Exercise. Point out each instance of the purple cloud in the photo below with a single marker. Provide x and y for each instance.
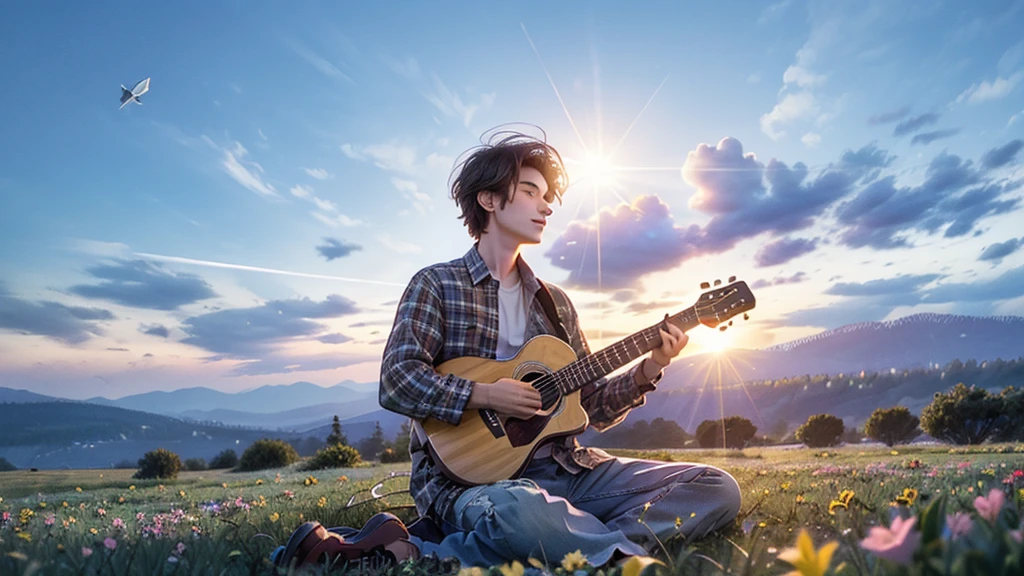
(783, 250)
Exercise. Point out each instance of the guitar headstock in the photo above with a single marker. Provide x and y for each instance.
(722, 303)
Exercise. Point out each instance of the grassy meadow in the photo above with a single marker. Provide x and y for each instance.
(803, 509)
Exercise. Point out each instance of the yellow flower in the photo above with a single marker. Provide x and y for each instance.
(473, 571)
(26, 536)
(515, 569)
(535, 563)
(807, 560)
(42, 504)
(846, 496)
(574, 561)
(784, 486)
(78, 488)
(181, 493)
(275, 517)
(259, 481)
(767, 491)
(895, 453)
(64, 504)
(71, 519)
(93, 531)
(800, 499)
(835, 505)
(132, 487)
(636, 564)
(321, 502)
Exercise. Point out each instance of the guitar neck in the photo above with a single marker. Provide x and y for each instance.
(574, 376)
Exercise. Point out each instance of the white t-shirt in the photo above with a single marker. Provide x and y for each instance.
(511, 319)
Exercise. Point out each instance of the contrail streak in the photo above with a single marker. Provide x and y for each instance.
(210, 264)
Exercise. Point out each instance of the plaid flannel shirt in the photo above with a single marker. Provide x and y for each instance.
(450, 310)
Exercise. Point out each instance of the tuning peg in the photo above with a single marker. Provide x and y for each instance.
(746, 316)
(732, 279)
(730, 322)
(722, 328)
(704, 285)
(718, 282)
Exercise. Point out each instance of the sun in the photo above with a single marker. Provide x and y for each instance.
(593, 169)
(717, 341)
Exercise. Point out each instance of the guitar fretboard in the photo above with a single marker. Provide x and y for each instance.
(574, 376)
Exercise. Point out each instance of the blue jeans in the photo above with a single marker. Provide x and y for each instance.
(549, 512)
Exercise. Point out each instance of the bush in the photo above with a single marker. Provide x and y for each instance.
(266, 453)
(738, 431)
(820, 430)
(6, 466)
(963, 415)
(892, 426)
(125, 464)
(194, 464)
(225, 459)
(390, 455)
(159, 463)
(1013, 408)
(333, 456)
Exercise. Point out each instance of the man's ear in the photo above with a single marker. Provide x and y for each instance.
(487, 199)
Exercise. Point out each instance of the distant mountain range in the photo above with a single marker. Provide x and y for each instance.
(914, 341)
(694, 388)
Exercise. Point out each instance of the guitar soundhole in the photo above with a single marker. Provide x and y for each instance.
(522, 432)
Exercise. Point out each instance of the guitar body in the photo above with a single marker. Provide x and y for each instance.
(473, 452)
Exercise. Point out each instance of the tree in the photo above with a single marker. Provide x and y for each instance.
(398, 451)
(225, 459)
(1012, 429)
(266, 453)
(964, 415)
(892, 426)
(193, 464)
(336, 436)
(159, 463)
(333, 456)
(737, 432)
(6, 466)
(373, 445)
(820, 430)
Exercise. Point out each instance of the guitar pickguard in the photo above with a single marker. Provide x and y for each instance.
(523, 432)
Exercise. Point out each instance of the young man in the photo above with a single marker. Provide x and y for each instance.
(487, 304)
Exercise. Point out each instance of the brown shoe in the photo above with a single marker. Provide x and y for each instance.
(382, 541)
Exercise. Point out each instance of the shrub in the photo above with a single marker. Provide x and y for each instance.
(390, 455)
(125, 464)
(964, 415)
(892, 426)
(738, 431)
(225, 459)
(194, 464)
(266, 453)
(820, 430)
(159, 463)
(333, 456)
(6, 466)
(1013, 408)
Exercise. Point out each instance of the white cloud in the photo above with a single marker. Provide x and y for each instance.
(802, 77)
(984, 91)
(300, 191)
(398, 246)
(792, 107)
(100, 248)
(262, 135)
(325, 205)
(337, 220)
(446, 100)
(811, 140)
(410, 190)
(246, 172)
(318, 173)
(1015, 118)
(388, 156)
(321, 64)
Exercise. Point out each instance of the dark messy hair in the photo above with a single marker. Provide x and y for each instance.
(494, 167)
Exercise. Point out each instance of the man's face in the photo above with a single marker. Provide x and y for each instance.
(524, 217)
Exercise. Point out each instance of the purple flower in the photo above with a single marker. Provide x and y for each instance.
(109, 543)
(959, 524)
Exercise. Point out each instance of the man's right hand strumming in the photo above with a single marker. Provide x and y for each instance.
(506, 396)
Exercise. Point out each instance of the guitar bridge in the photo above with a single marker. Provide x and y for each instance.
(492, 422)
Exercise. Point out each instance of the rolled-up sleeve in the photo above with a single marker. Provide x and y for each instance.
(409, 385)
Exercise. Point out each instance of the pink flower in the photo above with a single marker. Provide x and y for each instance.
(5, 516)
(180, 548)
(110, 543)
(140, 516)
(86, 551)
(118, 523)
(1017, 535)
(988, 507)
(50, 520)
(896, 543)
(959, 525)
(101, 511)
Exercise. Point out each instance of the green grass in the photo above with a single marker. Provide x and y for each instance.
(784, 491)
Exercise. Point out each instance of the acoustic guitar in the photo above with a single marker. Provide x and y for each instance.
(486, 447)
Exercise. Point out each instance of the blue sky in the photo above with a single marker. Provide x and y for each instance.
(255, 221)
